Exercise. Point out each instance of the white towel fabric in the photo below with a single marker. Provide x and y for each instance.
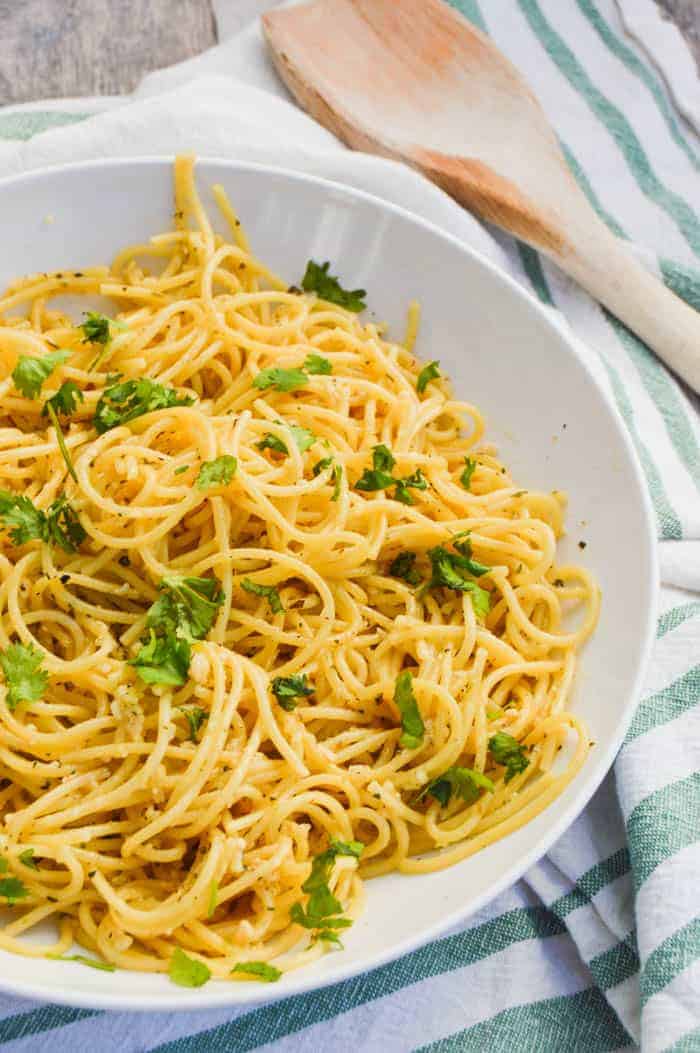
(598, 947)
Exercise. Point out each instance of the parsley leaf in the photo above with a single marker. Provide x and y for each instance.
(185, 611)
(163, 660)
(25, 679)
(60, 439)
(403, 567)
(268, 591)
(416, 481)
(65, 400)
(125, 402)
(317, 365)
(322, 905)
(465, 550)
(288, 688)
(63, 528)
(195, 717)
(383, 459)
(411, 721)
(26, 858)
(186, 971)
(219, 472)
(325, 462)
(447, 571)
(280, 379)
(274, 443)
(30, 373)
(186, 607)
(97, 328)
(12, 889)
(59, 524)
(427, 373)
(337, 479)
(269, 974)
(507, 751)
(466, 476)
(465, 782)
(378, 477)
(318, 280)
(19, 516)
(303, 437)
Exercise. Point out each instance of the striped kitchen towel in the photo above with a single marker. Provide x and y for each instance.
(598, 947)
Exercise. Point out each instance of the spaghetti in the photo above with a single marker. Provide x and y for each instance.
(273, 619)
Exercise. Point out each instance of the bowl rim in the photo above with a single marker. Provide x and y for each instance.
(304, 981)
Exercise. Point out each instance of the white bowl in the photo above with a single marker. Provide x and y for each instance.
(552, 423)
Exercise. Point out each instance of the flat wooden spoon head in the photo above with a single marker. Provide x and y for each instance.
(414, 80)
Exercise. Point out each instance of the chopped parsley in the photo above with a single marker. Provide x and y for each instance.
(507, 751)
(324, 463)
(317, 365)
(379, 476)
(24, 677)
(337, 480)
(59, 525)
(427, 373)
(403, 566)
(269, 974)
(464, 546)
(466, 476)
(464, 782)
(447, 570)
(184, 612)
(97, 328)
(303, 439)
(186, 607)
(327, 287)
(12, 889)
(322, 908)
(23, 521)
(219, 472)
(269, 592)
(274, 443)
(163, 659)
(412, 726)
(130, 399)
(64, 401)
(30, 373)
(26, 858)
(195, 717)
(416, 481)
(280, 379)
(63, 528)
(186, 971)
(287, 689)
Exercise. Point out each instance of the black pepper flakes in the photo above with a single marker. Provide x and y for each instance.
(582, 544)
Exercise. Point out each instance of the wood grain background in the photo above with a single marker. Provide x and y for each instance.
(54, 48)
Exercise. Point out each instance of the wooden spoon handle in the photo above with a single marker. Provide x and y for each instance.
(572, 235)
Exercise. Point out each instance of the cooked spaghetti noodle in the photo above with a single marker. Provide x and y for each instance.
(379, 675)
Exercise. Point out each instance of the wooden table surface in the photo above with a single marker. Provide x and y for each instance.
(55, 48)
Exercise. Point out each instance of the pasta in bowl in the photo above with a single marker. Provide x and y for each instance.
(276, 619)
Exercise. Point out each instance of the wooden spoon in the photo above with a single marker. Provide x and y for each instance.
(414, 80)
